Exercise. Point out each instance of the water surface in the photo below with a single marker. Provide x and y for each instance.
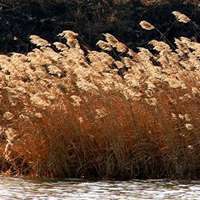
(16, 188)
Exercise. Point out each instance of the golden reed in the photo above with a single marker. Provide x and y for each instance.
(110, 113)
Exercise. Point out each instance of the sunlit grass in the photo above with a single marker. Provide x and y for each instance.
(66, 111)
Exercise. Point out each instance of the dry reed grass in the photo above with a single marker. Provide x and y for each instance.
(70, 112)
(90, 20)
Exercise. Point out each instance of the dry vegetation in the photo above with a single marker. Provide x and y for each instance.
(90, 19)
(67, 111)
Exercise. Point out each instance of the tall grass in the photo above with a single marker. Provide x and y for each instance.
(69, 111)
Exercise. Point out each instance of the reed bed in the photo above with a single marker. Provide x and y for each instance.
(19, 20)
(69, 111)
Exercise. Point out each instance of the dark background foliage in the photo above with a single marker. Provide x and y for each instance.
(91, 18)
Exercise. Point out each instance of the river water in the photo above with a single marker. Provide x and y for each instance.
(17, 188)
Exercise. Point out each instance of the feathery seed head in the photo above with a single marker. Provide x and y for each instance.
(38, 41)
(71, 38)
(104, 45)
(146, 25)
(160, 45)
(180, 17)
(68, 34)
(60, 46)
(121, 47)
(110, 39)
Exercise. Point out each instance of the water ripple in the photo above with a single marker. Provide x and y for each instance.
(16, 188)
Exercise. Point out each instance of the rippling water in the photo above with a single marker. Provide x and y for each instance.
(16, 188)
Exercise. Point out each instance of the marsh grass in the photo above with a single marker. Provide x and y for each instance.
(69, 111)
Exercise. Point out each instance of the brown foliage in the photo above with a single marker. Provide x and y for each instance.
(113, 113)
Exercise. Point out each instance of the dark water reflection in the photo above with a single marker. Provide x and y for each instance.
(15, 188)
